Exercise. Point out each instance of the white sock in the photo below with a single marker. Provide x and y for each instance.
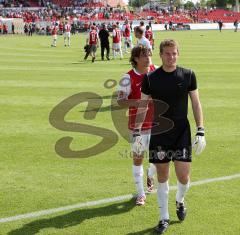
(181, 191)
(121, 55)
(151, 170)
(162, 196)
(114, 54)
(138, 178)
(125, 47)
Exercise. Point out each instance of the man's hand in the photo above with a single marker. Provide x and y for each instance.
(199, 142)
(137, 146)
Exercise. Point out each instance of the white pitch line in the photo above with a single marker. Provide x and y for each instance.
(102, 201)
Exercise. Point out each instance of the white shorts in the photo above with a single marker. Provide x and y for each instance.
(117, 46)
(67, 34)
(145, 139)
(54, 37)
(128, 39)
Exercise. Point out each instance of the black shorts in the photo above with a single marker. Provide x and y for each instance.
(172, 145)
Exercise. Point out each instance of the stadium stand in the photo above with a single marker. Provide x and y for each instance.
(97, 10)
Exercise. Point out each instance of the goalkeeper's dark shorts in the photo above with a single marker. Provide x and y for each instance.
(173, 145)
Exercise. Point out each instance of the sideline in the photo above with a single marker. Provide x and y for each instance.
(103, 201)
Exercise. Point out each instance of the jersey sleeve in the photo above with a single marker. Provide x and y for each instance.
(145, 85)
(148, 45)
(192, 82)
(124, 88)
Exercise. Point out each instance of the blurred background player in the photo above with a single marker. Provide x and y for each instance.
(54, 35)
(235, 24)
(117, 42)
(92, 41)
(129, 93)
(126, 33)
(150, 36)
(104, 39)
(141, 25)
(220, 25)
(67, 34)
(141, 39)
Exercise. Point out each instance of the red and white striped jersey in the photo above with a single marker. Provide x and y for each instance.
(149, 36)
(67, 28)
(116, 35)
(130, 88)
(54, 30)
(93, 37)
(126, 30)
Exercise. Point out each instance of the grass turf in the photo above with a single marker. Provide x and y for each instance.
(35, 78)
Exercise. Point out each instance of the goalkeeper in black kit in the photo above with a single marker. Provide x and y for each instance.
(169, 87)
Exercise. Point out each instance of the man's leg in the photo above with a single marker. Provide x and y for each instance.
(182, 170)
(65, 40)
(102, 51)
(125, 45)
(162, 196)
(150, 177)
(163, 189)
(108, 51)
(69, 41)
(138, 178)
(114, 53)
(120, 51)
(54, 43)
(93, 54)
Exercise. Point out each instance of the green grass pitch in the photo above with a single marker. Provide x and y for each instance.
(34, 78)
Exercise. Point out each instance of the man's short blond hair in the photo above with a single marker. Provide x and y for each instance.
(168, 43)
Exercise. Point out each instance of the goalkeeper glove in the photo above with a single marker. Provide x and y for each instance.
(137, 146)
(199, 142)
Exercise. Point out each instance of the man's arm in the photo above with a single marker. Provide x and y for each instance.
(97, 41)
(199, 142)
(196, 107)
(124, 90)
(123, 101)
(142, 110)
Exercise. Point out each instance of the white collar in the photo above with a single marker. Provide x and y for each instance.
(135, 71)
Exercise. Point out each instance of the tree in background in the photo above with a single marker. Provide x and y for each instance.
(138, 3)
(189, 5)
(221, 3)
(211, 3)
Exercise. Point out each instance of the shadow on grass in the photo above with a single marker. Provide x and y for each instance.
(151, 231)
(74, 218)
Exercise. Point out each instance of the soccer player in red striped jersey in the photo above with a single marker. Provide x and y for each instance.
(67, 34)
(54, 35)
(92, 41)
(117, 42)
(129, 94)
(149, 35)
(126, 32)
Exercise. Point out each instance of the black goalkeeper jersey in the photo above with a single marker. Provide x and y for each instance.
(172, 88)
(169, 91)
